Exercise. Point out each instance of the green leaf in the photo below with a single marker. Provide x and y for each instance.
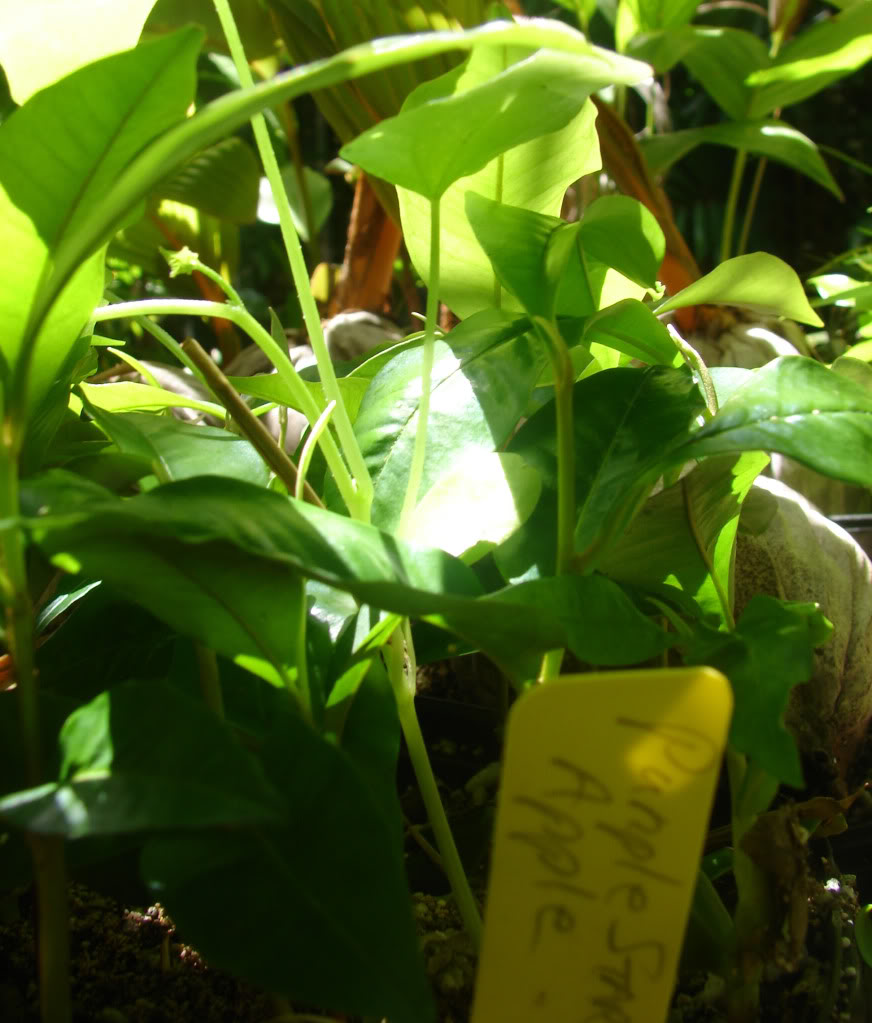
(429, 146)
(603, 626)
(129, 394)
(142, 757)
(215, 121)
(770, 652)
(481, 501)
(43, 40)
(554, 267)
(210, 590)
(222, 181)
(528, 251)
(773, 139)
(320, 193)
(623, 234)
(56, 166)
(483, 375)
(632, 329)
(271, 387)
(662, 49)
(211, 556)
(684, 535)
(800, 408)
(722, 60)
(533, 176)
(818, 56)
(318, 917)
(626, 422)
(757, 281)
(183, 450)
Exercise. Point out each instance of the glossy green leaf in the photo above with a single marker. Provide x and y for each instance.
(429, 146)
(128, 394)
(210, 590)
(773, 139)
(66, 37)
(554, 267)
(818, 56)
(533, 176)
(757, 281)
(116, 776)
(261, 526)
(215, 121)
(56, 165)
(483, 375)
(632, 329)
(662, 49)
(770, 652)
(528, 251)
(722, 59)
(182, 450)
(800, 408)
(212, 555)
(684, 535)
(306, 898)
(603, 626)
(626, 422)
(222, 181)
(270, 387)
(623, 234)
(481, 501)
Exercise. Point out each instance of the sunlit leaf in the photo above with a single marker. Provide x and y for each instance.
(758, 281)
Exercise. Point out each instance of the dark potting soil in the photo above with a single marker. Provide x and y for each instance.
(128, 967)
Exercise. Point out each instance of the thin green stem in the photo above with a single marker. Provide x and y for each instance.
(563, 387)
(753, 196)
(210, 678)
(252, 428)
(53, 923)
(309, 449)
(284, 367)
(362, 483)
(402, 675)
(732, 203)
(692, 357)
(564, 381)
(49, 872)
(416, 470)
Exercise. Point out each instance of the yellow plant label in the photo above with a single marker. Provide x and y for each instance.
(606, 789)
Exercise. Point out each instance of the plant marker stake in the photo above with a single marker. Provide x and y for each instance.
(607, 784)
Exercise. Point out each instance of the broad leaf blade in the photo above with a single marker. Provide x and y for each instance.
(758, 281)
(532, 176)
(770, 652)
(185, 450)
(481, 501)
(538, 95)
(722, 60)
(818, 56)
(69, 36)
(632, 329)
(142, 757)
(684, 535)
(800, 408)
(483, 376)
(306, 896)
(626, 422)
(56, 166)
(773, 139)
